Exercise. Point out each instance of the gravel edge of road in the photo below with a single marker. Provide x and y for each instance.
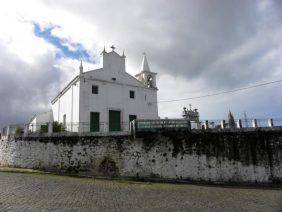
(131, 180)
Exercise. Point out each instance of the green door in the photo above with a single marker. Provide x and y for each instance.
(114, 120)
(132, 117)
(94, 122)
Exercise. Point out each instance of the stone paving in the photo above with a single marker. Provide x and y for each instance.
(44, 192)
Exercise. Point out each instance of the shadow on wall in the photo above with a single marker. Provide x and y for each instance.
(108, 168)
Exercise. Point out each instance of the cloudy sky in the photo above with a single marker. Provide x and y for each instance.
(197, 47)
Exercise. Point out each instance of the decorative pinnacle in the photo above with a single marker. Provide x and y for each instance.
(81, 67)
(104, 51)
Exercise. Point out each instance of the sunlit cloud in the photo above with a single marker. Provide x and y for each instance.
(196, 47)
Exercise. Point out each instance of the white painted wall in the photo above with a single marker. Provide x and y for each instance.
(114, 84)
(135, 159)
(68, 104)
(113, 62)
(40, 119)
(115, 96)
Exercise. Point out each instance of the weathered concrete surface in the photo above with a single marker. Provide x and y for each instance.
(33, 192)
(252, 157)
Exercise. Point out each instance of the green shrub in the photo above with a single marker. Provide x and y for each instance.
(58, 127)
(19, 131)
(44, 128)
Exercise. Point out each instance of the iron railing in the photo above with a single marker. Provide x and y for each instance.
(64, 128)
(145, 124)
(137, 125)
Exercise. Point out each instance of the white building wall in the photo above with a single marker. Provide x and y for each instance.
(55, 109)
(113, 63)
(75, 116)
(77, 101)
(39, 120)
(32, 125)
(68, 105)
(115, 96)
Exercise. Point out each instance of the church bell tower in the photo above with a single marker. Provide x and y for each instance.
(147, 77)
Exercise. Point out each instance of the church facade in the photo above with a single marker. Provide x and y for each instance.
(107, 99)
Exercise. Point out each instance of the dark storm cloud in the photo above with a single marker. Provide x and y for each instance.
(25, 89)
(192, 39)
(221, 44)
(210, 31)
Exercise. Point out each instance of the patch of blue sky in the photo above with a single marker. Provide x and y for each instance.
(70, 50)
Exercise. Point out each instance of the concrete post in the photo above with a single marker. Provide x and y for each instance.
(270, 123)
(105, 127)
(222, 124)
(133, 128)
(206, 125)
(8, 131)
(50, 128)
(130, 127)
(255, 123)
(26, 129)
(239, 124)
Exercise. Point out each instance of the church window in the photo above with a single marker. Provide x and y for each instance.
(94, 89)
(132, 94)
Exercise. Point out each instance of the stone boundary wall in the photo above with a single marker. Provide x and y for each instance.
(227, 156)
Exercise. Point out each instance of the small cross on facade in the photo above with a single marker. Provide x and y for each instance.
(113, 47)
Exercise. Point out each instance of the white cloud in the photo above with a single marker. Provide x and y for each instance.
(196, 47)
(69, 68)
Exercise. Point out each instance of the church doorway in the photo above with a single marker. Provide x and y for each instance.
(94, 122)
(132, 117)
(114, 120)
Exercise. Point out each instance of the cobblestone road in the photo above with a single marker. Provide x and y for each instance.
(36, 192)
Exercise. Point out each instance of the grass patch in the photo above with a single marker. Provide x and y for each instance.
(143, 182)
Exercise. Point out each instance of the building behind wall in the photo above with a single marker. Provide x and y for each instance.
(107, 99)
(40, 121)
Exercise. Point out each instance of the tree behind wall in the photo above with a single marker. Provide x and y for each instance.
(58, 127)
(231, 121)
(19, 131)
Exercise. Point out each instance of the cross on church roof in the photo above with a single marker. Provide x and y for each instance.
(113, 47)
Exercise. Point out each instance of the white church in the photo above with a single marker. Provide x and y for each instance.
(105, 99)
